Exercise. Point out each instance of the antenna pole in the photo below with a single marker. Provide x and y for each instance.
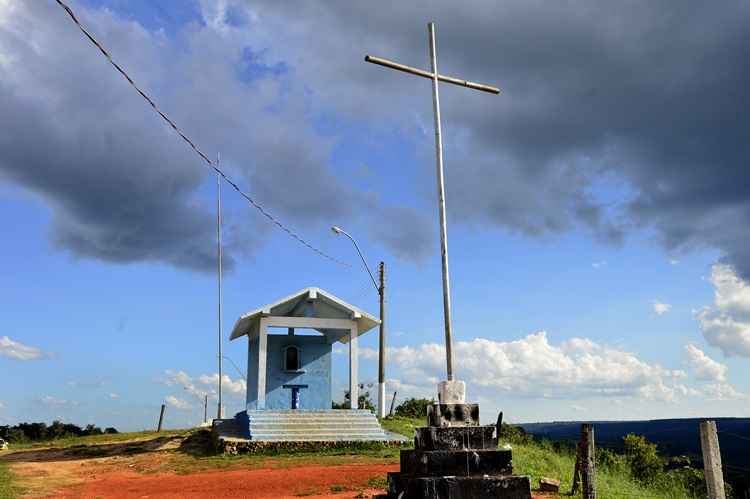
(219, 414)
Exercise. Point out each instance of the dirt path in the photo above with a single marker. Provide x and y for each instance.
(173, 467)
(344, 481)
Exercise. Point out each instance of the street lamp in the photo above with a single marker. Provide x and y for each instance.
(380, 288)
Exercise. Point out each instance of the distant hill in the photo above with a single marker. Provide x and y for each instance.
(675, 437)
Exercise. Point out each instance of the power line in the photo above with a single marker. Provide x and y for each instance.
(239, 371)
(192, 144)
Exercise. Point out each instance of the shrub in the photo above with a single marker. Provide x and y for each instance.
(365, 401)
(413, 408)
(606, 458)
(642, 457)
(514, 434)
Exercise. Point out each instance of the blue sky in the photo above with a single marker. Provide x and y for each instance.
(109, 294)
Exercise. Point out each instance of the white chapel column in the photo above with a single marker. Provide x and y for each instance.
(262, 355)
(353, 367)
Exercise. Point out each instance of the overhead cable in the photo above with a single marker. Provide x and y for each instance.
(191, 143)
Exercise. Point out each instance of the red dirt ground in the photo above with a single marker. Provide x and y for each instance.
(312, 482)
(347, 481)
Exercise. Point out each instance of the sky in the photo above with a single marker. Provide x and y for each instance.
(598, 208)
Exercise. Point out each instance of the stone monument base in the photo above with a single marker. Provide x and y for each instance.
(456, 458)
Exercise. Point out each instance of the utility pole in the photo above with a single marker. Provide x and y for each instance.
(380, 288)
(219, 412)
(712, 460)
(381, 348)
(205, 409)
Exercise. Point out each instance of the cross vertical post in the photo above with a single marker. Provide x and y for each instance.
(441, 205)
(436, 77)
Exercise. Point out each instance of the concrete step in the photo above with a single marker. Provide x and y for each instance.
(310, 417)
(313, 427)
(312, 422)
(327, 431)
(332, 412)
(323, 437)
(320, 426)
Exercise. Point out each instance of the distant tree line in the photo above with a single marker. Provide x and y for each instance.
(41, 432)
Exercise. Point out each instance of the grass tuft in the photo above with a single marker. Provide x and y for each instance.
(8, 490)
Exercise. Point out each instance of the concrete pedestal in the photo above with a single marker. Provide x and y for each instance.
(456, 458)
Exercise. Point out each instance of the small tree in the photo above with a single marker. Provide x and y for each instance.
(365, 401)
(413, 408)
(645, 463)
(91, 429)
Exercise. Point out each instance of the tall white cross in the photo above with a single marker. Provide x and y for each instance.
(435, 77)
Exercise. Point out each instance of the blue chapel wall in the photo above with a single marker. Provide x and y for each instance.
(315, 372)
(252, 373)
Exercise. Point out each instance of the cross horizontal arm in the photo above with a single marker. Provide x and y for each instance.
(426, 74)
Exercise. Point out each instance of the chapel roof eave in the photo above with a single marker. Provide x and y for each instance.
(294, 305)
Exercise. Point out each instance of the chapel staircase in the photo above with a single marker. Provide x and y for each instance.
(317, 426)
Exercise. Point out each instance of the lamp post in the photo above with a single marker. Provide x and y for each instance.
(380, 288)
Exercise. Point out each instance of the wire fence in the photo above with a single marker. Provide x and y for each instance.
(211, 164)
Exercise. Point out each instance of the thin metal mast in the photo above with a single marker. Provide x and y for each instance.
(219, 414)
(441, 205)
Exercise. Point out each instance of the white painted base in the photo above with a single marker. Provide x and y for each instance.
(381, 400)
(452, 392)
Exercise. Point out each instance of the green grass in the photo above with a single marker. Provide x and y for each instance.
(114, 438)
(7, 489)
(404, 426)
(540, 459)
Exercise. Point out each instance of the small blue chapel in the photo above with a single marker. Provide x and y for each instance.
(289, 383)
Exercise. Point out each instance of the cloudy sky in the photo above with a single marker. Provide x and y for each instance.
(598, 213)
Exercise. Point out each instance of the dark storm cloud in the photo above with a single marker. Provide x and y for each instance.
(613, 117)
(120, 185)
(653, 94)
(407, 232)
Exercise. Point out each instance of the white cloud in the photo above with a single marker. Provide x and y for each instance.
(2, 406)
(114, 396)
(599, 265)
(178, 403)
(704, 366)
(674, 261)
(85, 383)
(721, 391)
(533, 367)
(181, 378)
(236, 387)
(51, 401)
(726, 324)
(661, 308)
(19, 351)
(208, 384)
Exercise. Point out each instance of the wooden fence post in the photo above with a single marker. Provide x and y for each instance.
(577, 471)
(588, 468)
(161, 417)
(712, 460)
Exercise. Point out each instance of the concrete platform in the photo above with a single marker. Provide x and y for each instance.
(296, 429)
